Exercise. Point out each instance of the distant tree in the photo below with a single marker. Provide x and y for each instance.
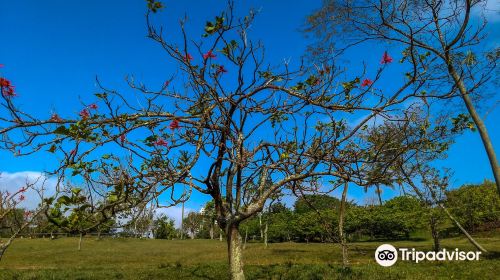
(140, 220)
(193, 224)
(309, 228)
(313, 202)
(13, 219)
(164, 228)
(477, 207)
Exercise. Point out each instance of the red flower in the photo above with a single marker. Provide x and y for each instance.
(4, 82)
(22, 197)
(23, 189)
(161, 142)
(55, 118)
(27, 214)
(367, 82)
(188, 57)
(8, 92)
(84, 114)
(1, 65)
(209, 54)
(174, 124)
(386, 58)
(220, 70)
(73, 152)
(93, 106)
(7, 88)
(122, 138)
(166, 83)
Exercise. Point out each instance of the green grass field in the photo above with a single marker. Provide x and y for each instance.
(206, 259)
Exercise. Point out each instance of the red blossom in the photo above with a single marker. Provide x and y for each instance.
(166, 83)
(22, 197)
(55, 118)
(220, 70)
(1, 65)
(174, 124)
(93, 106)
(84, 113)
(8, 92)
(27, 214)
(23, 189)
(209, 54)
(386, 58)
(7, 88)
(122, 138)
(367, 82)
(73, 152)
(188, 57)
(161, 142)
(4, 82)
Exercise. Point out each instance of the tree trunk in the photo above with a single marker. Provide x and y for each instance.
(80, 242)
(483, 132)
(379, 195)
(246, 238)
(182, 222)
(235, 252)
(479, 247)
(435, 233)
(343, 241)
(265, 235)
(212, 231)
(220, 235)
(99, 235)
(260, 227)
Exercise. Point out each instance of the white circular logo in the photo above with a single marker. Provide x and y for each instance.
(386, 255)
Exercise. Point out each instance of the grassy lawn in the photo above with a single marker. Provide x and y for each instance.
(206, 259)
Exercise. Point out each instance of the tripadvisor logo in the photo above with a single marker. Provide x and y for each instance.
(387, 255)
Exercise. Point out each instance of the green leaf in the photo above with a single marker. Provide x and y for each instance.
(65, 200)
(76, 191)
(101, 95)
(52, 149)
(62, 130)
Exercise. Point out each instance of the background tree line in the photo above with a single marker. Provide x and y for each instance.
(312, 218)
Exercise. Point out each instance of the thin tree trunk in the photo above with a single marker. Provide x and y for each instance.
(212, 231)
(379, 195)
(343, 241)
(260, 227)
(182, 221)
(483, 132)
(265, 235)
(99, 235)
(80, 242)
(220, 235)
(479, 247)
(235, 252)
(246, 238)
(435, 233)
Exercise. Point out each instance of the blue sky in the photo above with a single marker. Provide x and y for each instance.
(53, 50)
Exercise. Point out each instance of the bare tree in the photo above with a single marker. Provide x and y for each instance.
(449, 43)
(10, 206)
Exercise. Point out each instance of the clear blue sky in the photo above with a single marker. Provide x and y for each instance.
(53, 50)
